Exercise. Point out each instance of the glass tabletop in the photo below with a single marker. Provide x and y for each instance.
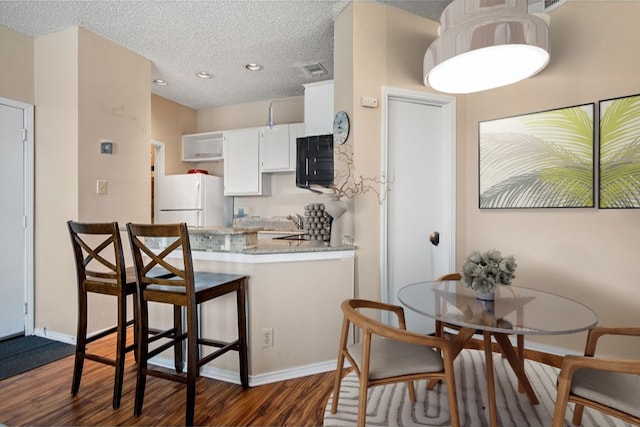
(515, 310)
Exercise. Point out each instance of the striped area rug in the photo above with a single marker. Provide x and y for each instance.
(390, 405)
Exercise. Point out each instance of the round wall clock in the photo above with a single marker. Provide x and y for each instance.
(340, 127)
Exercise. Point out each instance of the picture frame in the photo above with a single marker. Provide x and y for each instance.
(619, 153)
(538, 160)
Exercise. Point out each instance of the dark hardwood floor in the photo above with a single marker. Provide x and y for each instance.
(42, 397)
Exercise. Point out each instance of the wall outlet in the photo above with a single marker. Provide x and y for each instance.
(267, 337)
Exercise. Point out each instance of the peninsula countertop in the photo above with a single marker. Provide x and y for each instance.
(236, 241)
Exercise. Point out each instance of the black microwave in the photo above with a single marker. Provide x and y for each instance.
(314, 161)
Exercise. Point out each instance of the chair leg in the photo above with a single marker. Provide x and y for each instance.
(340, 365)
(562, 397)
(577, 414)
(121, 349)
(178, 353)
(362, 401)
(143, 354)
(452, 394)
(136, 320)
(412, 391)
(242, 334)
(81, 343)
(337, 382)
(192, 363)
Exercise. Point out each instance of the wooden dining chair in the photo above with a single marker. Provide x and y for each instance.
(166, 275)
(608, 385)
(100, 269)
(389, 355)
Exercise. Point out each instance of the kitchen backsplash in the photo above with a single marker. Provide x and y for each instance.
(275, 223)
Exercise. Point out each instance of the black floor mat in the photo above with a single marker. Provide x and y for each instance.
(18, 355)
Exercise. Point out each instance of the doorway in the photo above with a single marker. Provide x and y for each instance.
(16, 190)
(419, 155)
(157, 172)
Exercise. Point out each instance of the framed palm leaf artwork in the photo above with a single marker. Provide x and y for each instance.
(538, 160)
(620, 153)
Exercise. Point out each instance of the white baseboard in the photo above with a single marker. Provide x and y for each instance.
(56, 336)
(255, 380)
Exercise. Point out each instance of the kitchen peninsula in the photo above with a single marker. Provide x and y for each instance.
(294, 293)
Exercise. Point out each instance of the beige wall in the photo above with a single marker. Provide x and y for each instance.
(379, 46)
(16, 66)
(87, 89)
(585, 254)
(169, 121)
(57, 163)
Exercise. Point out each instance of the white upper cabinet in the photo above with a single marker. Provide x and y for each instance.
(202, 147)
(242, 171)
(318, 108)
(278, 147)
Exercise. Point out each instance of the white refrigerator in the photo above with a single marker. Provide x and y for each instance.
(196, 199)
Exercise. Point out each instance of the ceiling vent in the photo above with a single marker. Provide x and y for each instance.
(315, 70)
(544, 6)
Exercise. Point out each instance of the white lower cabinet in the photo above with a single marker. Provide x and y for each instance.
(242, 169)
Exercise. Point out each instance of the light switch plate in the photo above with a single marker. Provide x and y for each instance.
(101, 186)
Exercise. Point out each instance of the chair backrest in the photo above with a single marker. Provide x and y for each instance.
(450, 276)
(151, 245)
(353, 313)
(99, 259)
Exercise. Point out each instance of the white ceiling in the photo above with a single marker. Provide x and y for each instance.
(181, 38)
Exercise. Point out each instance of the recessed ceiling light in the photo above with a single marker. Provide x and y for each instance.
(253, 67)
(160, 82)
(204, 75)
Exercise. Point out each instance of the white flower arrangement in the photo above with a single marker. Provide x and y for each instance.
(483, 271)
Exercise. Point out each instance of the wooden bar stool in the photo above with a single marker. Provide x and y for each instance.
(180, 286)
(100, 269)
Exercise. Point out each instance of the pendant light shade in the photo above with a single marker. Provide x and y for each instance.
(486, 44)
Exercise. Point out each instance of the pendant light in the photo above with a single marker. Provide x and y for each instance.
(485, 44)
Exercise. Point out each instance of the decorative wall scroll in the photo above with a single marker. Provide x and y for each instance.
(620, 153)
(538, 160)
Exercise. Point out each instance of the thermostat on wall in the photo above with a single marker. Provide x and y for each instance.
(106, 147)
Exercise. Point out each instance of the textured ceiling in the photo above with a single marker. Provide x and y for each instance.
(181, 38)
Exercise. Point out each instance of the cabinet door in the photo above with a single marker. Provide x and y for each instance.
(275, 149)
(318, 108)
(242, 175)
(296, 130)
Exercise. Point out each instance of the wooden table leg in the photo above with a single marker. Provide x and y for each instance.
(461, 339)
(520, 344)
(517, 365)
(491, 386)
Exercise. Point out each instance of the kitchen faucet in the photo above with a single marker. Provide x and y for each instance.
(297, 220)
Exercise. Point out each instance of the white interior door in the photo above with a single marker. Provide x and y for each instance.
(420, 158)
(13, 263)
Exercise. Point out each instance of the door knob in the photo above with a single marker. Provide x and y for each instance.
(435, 238)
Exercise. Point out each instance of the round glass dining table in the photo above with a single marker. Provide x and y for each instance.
(515, 310)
